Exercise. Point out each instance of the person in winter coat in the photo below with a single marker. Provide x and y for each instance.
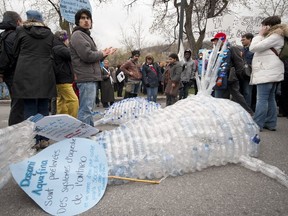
(173, 85)
(107, 90)
(131, 69)
(120, 82)
(187, 75)
(151, 76)
(67, 100)
(231, 67)
(245, 88)
(267, 70)
(34, 79)
(85, 58)
(11, 20)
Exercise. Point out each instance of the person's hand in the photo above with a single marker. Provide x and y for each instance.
(147, 85)
(109, 51)
(173, 85)
(112, 50)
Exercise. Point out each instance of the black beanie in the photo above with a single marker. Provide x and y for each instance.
(79, 13)
(135, 52)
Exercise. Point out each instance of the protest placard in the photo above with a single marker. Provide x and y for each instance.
(220, 24)
(66, 178)
(68, 8)
(63, 126)
(247, 24)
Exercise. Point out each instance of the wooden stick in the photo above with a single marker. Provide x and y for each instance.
(135, 180)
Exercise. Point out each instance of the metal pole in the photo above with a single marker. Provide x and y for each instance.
(181, 24)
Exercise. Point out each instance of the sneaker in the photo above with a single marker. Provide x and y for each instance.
(270, 129)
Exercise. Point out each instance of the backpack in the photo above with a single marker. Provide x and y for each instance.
(283, 55)
(5, 61)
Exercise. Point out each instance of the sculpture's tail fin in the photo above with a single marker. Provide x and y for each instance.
(267, 169)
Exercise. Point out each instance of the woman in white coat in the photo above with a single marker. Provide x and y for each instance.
(267, 70)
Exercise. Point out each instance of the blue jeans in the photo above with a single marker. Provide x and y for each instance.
(4, 93)
(246, 91)
(87, 95)
(152, 93)
(266, 107)
(222, 93)
(33, 107)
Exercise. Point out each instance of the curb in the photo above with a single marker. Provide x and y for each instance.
(5, 101)
(116, 99)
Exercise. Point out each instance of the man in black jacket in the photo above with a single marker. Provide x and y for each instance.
(233, 69)
(9, 23)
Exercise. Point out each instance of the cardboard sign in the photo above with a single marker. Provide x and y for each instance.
(220, 24)
(68, 8)
(247, 24)
(60, 127)
(66, 178)
(233, 27)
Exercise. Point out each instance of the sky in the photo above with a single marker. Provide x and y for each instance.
(108, 18)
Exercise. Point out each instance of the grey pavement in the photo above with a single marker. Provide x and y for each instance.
(229, 190)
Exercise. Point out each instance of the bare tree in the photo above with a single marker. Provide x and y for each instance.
(126, 40)
(6, 5)
(136, 38)
(196, 13)
(268, 8)
(50, 9)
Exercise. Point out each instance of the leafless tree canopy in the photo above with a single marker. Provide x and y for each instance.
(167, 17)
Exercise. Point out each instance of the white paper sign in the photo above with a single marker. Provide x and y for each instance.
(247, 24)
(66, 178)
(220, 24)
(120, 76)
(60, 127)
(68, 8)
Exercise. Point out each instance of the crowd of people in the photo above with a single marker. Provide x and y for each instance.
(70, 75)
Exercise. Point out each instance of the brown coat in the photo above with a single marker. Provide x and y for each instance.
(175, 77)
(131, 66)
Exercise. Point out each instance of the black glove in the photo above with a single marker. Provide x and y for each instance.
(147, 85)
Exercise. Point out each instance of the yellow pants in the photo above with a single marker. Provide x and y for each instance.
(67, 100)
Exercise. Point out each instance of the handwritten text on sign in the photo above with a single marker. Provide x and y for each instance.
(67, 178)
(220, 24)
(60, 127)
(68, 8)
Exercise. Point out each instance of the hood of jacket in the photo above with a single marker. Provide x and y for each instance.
(36, 29)
(57, 42)
(280, 29)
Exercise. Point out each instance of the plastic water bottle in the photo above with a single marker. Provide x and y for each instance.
(255, 141)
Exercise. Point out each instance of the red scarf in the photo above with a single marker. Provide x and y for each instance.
(153, 69)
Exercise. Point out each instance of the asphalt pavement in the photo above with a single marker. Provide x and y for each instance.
(229, 190)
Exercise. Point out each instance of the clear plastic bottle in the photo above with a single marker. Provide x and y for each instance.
(255, 148)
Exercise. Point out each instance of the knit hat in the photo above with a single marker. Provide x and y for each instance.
(34, 15)
(61, 35)
(188, 51)
(10, 19)
(135, 52)
(220, 36)
(79, 13)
